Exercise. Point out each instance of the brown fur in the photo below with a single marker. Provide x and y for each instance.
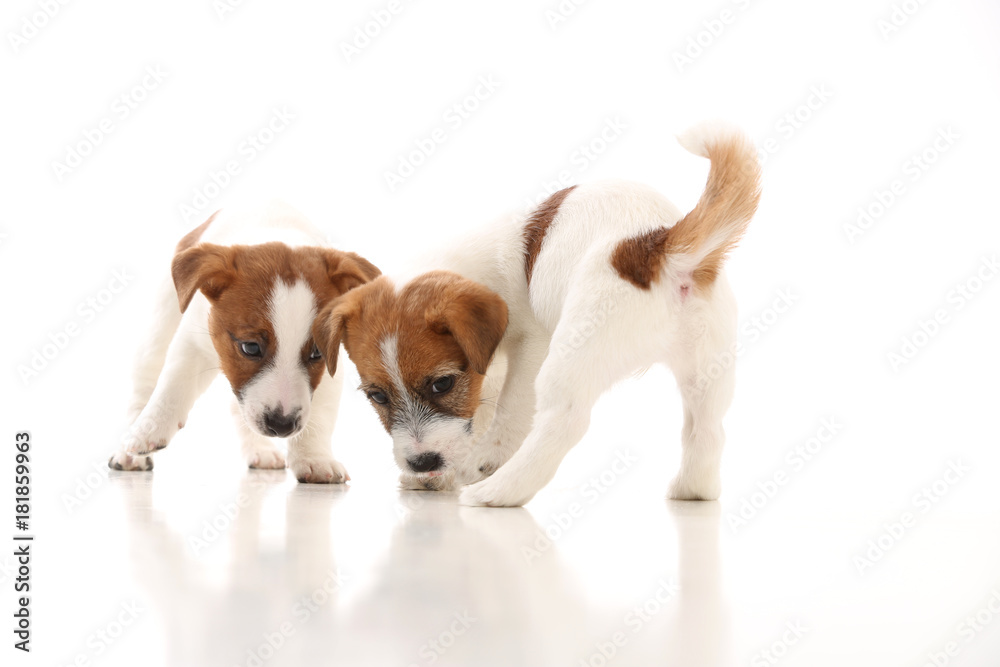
(726, 206)
(238, 281)
(192, 237)
(444, 325)
(537, 226)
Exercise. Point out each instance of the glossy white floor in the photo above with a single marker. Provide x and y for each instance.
(209, 564)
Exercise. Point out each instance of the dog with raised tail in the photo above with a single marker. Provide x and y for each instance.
(245, 291)
(598, 282)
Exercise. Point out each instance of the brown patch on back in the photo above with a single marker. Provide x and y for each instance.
(443, 324)
(239, 280)
(192, 237)
(538, 225)
(640, 259)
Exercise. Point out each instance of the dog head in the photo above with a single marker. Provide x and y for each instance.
(422, 351)
(264, 300)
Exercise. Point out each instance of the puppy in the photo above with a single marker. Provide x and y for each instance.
(244, 297)
(598, 282)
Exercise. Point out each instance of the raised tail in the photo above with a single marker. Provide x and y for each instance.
(700, 240)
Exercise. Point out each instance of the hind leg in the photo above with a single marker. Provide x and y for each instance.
(702, 439)
(706, 378)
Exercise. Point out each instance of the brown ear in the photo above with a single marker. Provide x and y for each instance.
(329, 328)
(207, 267)
(348, 270)
(476, 317)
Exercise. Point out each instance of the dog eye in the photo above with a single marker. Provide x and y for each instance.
(315, 354)
(378, 397)
(442, 385)
(250, 349)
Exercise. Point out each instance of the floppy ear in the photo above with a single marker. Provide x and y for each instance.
(348, 270)
(207, 267)
(329, 328)
(476, 317)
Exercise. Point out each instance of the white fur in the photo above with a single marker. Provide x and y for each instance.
(284, 386)
(419, 429)
(177, 362)
(580, 327)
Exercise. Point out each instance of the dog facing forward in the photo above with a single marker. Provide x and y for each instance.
(598, 282)
(244, 297)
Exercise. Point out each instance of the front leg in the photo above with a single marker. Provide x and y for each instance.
(258, 451)
(309, 452)
(187, 373)
(515, 406)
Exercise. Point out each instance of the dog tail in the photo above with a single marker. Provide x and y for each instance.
(699, 242)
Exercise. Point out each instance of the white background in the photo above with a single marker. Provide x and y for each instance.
(841, 104)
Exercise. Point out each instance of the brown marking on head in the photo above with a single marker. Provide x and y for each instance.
(194, 236)
(439, 326)
(537, 226)
(721, 217)
(239, 282)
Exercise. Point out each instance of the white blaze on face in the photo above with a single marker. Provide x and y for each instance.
(416, 427)
(282, 385)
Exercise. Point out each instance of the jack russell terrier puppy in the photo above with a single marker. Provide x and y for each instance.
(245, 293)
(598, 282)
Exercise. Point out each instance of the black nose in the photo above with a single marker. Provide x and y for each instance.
(280, 425)
(425, 462)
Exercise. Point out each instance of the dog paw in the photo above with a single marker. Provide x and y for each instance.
(686, 487)
(482, 463)
(496, 491)
(316, 470)
(147, 440)
(428, 482)
(266, 459)
(123, 461)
